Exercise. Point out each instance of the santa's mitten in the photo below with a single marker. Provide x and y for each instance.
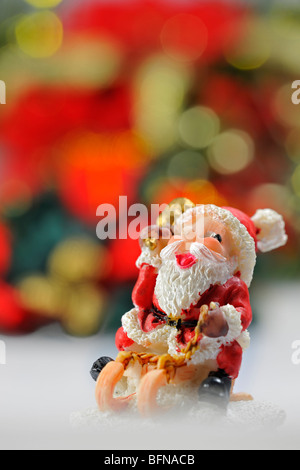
(142, 293)
(270, 230)
(152, 240)
(213, 322)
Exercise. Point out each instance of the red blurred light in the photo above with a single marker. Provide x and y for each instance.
(184, 37)
(12, 316)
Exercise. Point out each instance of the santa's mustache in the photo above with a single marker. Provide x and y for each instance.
(197, 249)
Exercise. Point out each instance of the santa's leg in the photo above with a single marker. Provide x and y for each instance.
(216, 389)
(230, 359)
(122, 342)
(218, 386)
(98, 366)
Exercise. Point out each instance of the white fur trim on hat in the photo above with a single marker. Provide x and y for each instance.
(272, 230)
(244, 243)
(147, 257)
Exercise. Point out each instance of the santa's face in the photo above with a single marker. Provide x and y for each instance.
(200, 254)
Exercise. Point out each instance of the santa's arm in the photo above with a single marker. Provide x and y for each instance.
(238, 314)
(143, 291)
(140, 321)
(152, 240)
(238, 297)
(233, 315)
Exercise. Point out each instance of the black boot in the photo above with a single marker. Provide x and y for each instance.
(216, 389)
(98, 366)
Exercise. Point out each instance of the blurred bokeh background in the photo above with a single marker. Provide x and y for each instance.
(146, 99)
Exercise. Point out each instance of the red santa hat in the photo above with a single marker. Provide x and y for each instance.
(263, 232)
(266, 227)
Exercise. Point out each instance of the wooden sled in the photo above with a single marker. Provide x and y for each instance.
(154, 372)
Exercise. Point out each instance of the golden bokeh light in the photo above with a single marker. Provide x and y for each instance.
(284, 110)
(85, 62)
(231, 152)
(251, 48)
(85, 310)
(40, 34)
(187, 165)
(81, 62)
(274, 195)
(158, 127)
(292, 145)
(160, 89)
(294, 208)
(198, 126)
(204, 192)
(296, 180)
(42, 295)
(285, 38)
(44, 3)
(161, 80)
(65, 263)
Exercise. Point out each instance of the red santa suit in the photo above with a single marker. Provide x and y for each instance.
(263, 232)
(234, 292)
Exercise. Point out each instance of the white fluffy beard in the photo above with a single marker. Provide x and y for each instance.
(178, 289)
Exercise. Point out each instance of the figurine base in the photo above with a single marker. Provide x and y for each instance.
(244, 425)
(182, 421)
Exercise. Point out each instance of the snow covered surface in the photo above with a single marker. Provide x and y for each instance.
(195, 421)
(47, 395)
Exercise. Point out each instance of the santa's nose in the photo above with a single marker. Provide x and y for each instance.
(186, 260)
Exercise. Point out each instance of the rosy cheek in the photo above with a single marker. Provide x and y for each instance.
(214, 245)
(175, 238)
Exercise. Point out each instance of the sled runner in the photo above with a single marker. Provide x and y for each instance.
(152, 372)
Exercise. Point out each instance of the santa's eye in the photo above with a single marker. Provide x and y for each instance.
(217, 236)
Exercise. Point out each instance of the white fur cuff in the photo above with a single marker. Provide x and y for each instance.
(161, 337)
(210, 347)
(164, 338)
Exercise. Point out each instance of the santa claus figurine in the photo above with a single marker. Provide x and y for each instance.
(191, 301)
